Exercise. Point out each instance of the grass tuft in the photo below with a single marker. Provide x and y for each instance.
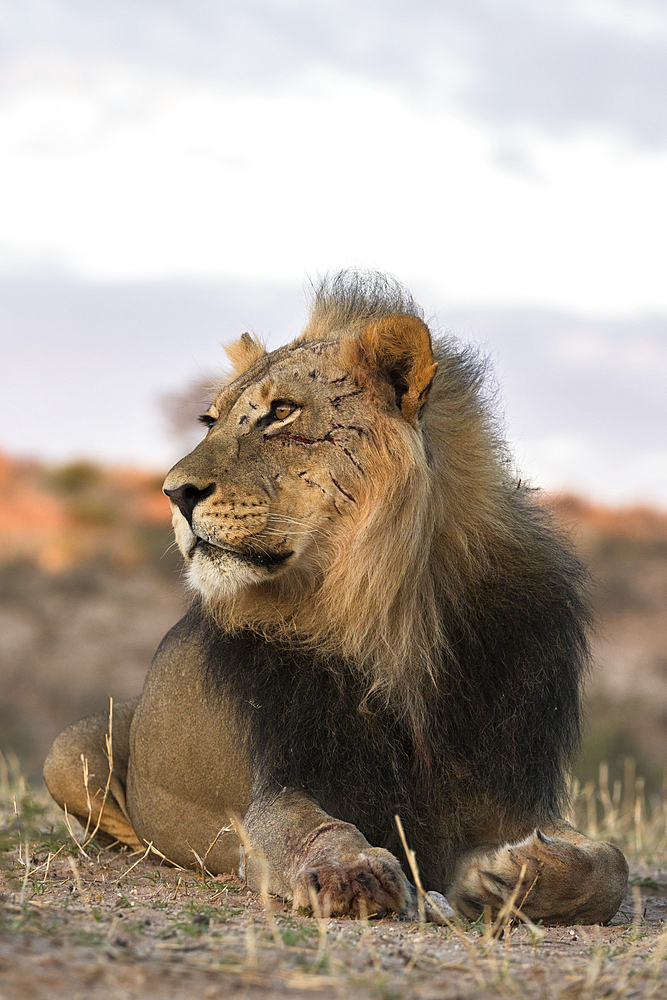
(116, 913)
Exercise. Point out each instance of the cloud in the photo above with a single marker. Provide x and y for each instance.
(117, 173)
(557, 64)
(562, 65)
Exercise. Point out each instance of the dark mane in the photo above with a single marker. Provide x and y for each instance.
(453, 666)
(508, 685)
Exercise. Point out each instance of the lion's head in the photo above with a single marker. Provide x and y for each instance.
(348, 483)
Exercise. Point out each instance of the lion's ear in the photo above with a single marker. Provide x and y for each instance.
(243, 353)
(398, 348)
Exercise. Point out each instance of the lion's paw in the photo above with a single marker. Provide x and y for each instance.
(543, 878)
(368, 883)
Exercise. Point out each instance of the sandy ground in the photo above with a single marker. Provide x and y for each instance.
(112, 928)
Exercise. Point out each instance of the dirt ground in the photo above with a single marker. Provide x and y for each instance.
(119, 928)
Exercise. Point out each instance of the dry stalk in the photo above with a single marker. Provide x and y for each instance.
(142, 858)
(49, 858)
(470, 948)
(5, 787)
(199, 860)
(588, 794)
(223, 829)
(164, 857)
(412, 861)
(79, 885)
(112, 928)
(260, 860)
(366, 940)
(655, 963)
(417, 953)
(68, 824)
(594, 967)
(251, 944)
(26, 865)
(202, 861)
(323, 942)
(639, 813)
(108, 739)
(86, 779)
(609, 806)
(508, 912)
(629, 777)
(536, 931)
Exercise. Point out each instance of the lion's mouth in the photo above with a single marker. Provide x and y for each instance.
(265, 560)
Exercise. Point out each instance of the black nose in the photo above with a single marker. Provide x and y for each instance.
(187, 497)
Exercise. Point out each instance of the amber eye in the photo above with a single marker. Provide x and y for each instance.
(282, 410)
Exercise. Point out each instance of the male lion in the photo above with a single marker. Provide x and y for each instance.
(384, 622)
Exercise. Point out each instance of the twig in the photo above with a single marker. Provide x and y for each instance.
(412, 861)
(71, 832)
(138, 861)
(26, 873)
(79, 885)
(108, 739)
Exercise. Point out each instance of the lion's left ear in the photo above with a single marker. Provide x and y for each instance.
(243, 353)
(398, 348)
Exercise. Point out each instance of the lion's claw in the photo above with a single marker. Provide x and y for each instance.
(369, 883)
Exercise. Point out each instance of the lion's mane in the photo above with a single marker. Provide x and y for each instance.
(446, 634)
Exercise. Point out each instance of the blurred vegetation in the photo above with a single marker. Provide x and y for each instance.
(613, 735)
(90, 582)
(75, 477)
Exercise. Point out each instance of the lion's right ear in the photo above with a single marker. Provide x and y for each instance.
(243, 353)
(398, 349)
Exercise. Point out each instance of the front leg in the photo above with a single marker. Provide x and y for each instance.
(299, 852)
(555, 875)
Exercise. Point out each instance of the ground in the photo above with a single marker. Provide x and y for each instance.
(98, 924)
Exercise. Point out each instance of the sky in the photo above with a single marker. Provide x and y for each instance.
(173, 174)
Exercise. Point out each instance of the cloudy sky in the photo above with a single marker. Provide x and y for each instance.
(172, 173)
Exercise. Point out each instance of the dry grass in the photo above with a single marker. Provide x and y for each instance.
(77, 921)
(622, 814)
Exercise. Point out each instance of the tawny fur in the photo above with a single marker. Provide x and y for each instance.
(385, 622)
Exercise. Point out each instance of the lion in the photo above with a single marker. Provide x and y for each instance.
(384, 623)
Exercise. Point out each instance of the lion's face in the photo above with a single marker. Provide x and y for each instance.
(282, 461)
(288, 460)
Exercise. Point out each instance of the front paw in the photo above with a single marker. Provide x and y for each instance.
(490, 881)
(366, 883)
(543, 878)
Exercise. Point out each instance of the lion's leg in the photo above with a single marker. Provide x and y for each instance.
(568, 879)
(64, 773)
(299, 852)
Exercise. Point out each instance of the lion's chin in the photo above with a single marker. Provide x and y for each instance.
(219, 576)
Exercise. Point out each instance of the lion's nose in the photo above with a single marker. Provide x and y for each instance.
(187, 497)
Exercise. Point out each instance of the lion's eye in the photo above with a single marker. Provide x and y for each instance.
(207, 420)
(282, 409)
